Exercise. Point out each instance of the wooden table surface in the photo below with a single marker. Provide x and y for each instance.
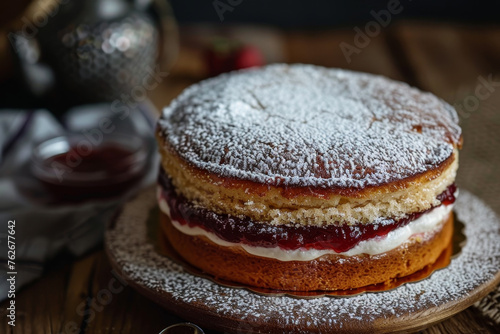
(447, 60)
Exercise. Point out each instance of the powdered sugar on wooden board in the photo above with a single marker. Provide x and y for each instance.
(478, 264)
(310, 126)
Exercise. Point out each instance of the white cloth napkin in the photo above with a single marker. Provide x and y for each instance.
(43, 231)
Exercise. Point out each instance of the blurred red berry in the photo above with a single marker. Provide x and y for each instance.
(248, 56)
(224, 55)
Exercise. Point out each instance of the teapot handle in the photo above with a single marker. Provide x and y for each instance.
(169, 34)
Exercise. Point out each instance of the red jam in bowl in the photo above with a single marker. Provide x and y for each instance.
(72, 168)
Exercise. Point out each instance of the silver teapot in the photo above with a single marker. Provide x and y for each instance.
(86, 51)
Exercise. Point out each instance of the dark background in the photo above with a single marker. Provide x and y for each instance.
(333, 13)
(286, 14)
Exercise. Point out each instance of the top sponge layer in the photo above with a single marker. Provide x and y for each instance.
(303, 125)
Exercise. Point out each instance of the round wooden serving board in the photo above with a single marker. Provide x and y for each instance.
(410, 307)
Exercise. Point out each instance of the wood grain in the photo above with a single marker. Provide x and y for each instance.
(441, 58)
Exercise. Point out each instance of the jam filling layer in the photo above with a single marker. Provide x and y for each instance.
(288, 237)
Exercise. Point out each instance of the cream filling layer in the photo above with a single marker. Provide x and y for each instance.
(423, 227)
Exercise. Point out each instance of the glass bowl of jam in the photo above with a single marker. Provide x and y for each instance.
(72, 167)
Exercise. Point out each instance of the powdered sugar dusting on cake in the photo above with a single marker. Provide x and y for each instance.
(478, 263)
(310, 126)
